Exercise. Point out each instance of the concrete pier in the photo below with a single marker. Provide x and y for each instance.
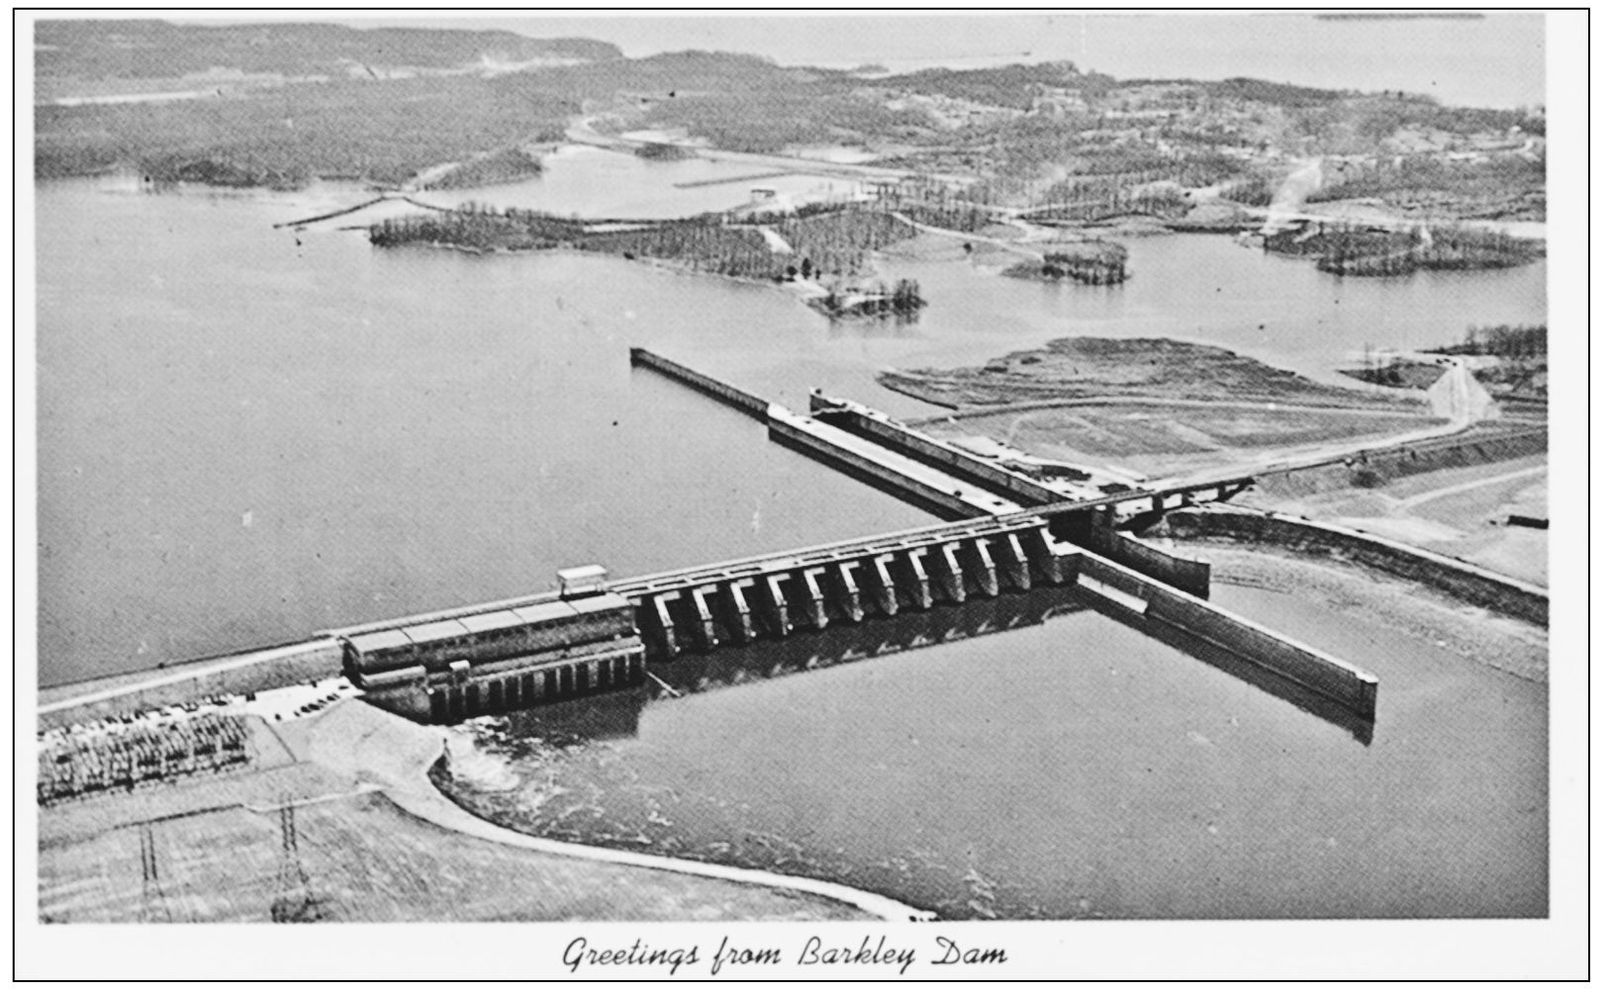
(727, 394)
(703, 616)
(1042, 553)
(984, 574)
(737, 599)
(947, 570)
(1334, 678)
(916, 583)
(1014, 563)
(660, 623)
(776, 600)
(849, 592)
(815, 603)
(881, 568)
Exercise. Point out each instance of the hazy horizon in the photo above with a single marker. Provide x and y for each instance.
(1492, 60)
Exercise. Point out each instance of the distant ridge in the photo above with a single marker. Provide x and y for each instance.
(147, 49)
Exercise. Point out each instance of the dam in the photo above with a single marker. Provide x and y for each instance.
(1011, 525)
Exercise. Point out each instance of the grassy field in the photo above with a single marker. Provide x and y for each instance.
(359, 858)
(1159, 440)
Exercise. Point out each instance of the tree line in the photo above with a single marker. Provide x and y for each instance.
(1510, 341)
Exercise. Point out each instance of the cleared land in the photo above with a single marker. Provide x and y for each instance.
(1460, 512)
(1157, 405)
(363, 859)
(215, 849)
(1162, 440)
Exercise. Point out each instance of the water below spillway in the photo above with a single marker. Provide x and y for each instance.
(1049, 761)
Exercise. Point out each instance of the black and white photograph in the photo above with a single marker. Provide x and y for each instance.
(649, 495)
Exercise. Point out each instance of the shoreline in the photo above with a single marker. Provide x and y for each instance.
(463, 821)
(410, 786)
(807, 293)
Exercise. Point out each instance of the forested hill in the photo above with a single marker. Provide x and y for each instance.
(157, 49)
(279, 105)
(1015, 86)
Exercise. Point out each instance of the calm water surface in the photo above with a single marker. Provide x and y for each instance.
(247, 434)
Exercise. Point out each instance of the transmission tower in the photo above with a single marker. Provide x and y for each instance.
(153, 902)
(294, 900)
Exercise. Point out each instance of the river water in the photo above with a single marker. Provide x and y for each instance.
(246, 434)
(1075, 767)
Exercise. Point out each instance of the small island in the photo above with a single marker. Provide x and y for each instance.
(1093, 263)
(1362, 250)
(903, 300)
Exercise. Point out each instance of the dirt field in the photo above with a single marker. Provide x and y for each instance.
(1457, 512)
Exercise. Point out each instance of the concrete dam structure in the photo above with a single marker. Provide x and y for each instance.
(1018, 527)
(1013, 527)
(501, 659)
(773, 596)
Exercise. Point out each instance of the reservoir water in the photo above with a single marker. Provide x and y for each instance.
(246, 434)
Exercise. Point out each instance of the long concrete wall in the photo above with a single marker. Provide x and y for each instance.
(931, 489)
(243, 674)
(1462, 580)
(956, 461)
(1193, 576)
(1097, 533)
(748, 403)
(1334, 678)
